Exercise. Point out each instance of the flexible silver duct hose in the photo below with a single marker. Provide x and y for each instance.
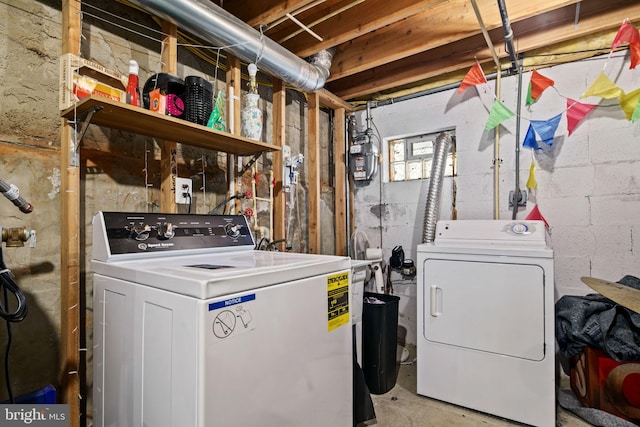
(434, 194)
(215, 25)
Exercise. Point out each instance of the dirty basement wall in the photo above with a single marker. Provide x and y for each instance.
(588, 183)
(115, 167)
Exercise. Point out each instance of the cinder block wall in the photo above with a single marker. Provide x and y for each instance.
(588, 183)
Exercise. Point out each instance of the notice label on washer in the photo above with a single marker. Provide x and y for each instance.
(232, 317)
(338, 300)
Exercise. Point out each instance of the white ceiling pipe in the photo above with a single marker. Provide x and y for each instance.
(215, 25)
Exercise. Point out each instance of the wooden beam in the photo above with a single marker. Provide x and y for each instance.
(332, 101)
(279, 138)
(70, 226)
(314, 173)
(339, 188)
(168, 149)
(367, 16)
(256, 12)
(440, 25)
(530, 34)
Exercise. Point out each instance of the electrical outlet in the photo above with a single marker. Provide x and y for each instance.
(184, 191)
(522, 198)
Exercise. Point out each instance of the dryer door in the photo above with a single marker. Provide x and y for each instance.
(486, 306)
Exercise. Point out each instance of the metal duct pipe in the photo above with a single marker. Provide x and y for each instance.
(214, 24)
(508, 34)
(438, 166)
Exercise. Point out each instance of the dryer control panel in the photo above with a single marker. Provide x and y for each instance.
(492, 232)
(132, 233)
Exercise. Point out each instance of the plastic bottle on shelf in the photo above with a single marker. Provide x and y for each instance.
(133, 85)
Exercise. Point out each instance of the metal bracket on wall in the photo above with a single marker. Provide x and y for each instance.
(84, 121)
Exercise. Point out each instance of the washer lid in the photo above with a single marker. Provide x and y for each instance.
(216, 274)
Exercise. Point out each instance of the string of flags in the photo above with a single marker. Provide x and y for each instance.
(603, 87)
(544, 130)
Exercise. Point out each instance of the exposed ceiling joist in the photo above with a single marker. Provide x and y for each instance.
(384, 46)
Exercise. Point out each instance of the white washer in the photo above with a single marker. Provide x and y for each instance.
(192, 327)
(486, 336)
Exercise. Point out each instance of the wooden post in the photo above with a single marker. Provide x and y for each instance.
(279, 139)
(340, 170)
(314, 173)
(234, 105)
(168, 149)
(234, 80)
(70, 260)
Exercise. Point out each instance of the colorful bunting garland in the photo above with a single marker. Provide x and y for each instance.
(474, 77)
(629, 103)
(536, 215)
(532, 184)
(575, 111)
(602, 87)
(499, 113)
(537, 85)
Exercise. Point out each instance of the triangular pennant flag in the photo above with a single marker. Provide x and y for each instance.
(629, 101)
(636, 113)
(626, 34)
(576, 112)
(538, 84)
(603, 87)
(634, 49)
(532, 184)
(546, 128)
(474, 76)
(530, 139)
(498, 114)
(530, 100)
(535, 215)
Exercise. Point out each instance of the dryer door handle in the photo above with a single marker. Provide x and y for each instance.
(436, 301)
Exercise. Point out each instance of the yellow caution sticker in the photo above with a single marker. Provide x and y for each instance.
(338, 300)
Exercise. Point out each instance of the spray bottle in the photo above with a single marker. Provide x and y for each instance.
(133, 85)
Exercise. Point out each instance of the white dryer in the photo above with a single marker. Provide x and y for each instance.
(486, 319)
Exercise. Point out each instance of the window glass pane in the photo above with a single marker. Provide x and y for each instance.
(426, 168)
(397, 171)
(414, 169)
(411, 157)
(397, 150)
(422, 148)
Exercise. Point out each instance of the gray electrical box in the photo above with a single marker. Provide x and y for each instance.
(363, 161)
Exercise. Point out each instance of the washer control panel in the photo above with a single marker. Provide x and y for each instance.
(128, 233)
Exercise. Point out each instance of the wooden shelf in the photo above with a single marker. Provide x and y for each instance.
(118, 115)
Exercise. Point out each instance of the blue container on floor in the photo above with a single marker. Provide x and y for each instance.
(43, 396)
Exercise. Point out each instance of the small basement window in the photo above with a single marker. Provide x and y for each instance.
(411, 157)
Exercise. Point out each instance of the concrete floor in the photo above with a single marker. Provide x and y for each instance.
(403, 407)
